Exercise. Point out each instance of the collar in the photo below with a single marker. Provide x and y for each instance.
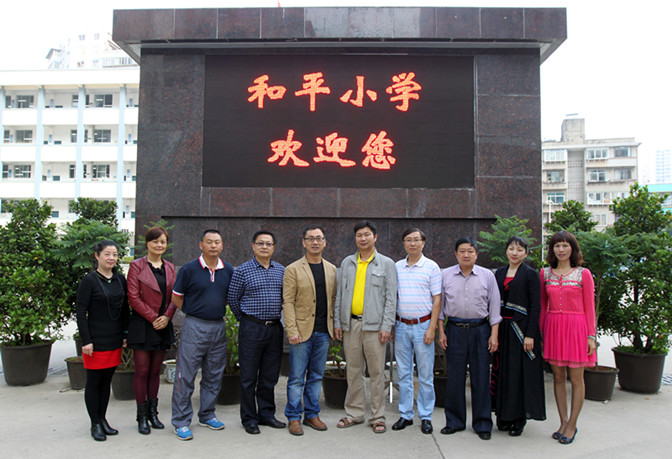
(419, 263)
(259, 265)
(201, 260)
(457, 270)
(359, 259)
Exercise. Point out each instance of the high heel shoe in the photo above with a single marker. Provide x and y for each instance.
(556, 435)
(566, 440)
(107, 429)
(97, 432)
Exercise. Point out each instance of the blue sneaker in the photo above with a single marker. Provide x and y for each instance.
(184, 433)
(214, 424)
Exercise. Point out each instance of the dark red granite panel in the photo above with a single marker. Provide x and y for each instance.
(282, 23)
(440, 203)
(236, 202)
(305, 202)
(137, 25)
(239, 23)
(373, 203)
(507, 74)
(545, 23)
(195, 24)
(502, 23)
(509, 115)
(458, 23)
(508, 156)
(508, 196)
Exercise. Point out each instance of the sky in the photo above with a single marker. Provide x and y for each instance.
(614, 69)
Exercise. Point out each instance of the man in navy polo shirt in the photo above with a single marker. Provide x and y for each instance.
(255, 297)
(200, 292)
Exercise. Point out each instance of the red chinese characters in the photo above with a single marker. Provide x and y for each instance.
(378, 151)
(335, 146)
(405, 89)
(285, 149)
(261, 90)
(359, 98)
(312, 87)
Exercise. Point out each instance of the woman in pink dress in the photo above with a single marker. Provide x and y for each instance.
(567, 321)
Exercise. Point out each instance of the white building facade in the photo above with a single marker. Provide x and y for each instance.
(70, 134)
(591, 171)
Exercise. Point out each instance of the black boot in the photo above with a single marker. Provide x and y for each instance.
(152, 413)
(143, 427)
(97, 432)
(107, 428)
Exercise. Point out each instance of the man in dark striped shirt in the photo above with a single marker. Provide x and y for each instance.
(255, 297)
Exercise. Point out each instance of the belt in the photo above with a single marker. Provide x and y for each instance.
(356, 317)
(468, 324)
(266, 323)
(419, 320)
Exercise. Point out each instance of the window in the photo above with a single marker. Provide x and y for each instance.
(18, 171)
(8, 101)
(622, 174)
(556, 198)
(100, 171)
(54, 214)
(622, 152)
(73, 135)
(597, 153)
(555, 155)
(597, 198)
(555, 176)
(102, 100)
(619, 194)
(6, 136)
(24, 136)
(71, 173)
(102, 136)
(597, 175)
(25, 101)
(601, 219)
(81, 37)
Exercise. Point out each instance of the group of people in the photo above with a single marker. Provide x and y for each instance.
(491, 324)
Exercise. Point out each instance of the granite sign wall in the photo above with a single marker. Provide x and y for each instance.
(275, 118)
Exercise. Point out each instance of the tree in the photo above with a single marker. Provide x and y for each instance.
(91, 209)
(638, 305)
(573, 217)
(33, 302)
(141, 248)
(493, 243)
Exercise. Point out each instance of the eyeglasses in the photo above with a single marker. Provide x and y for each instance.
(264, 244)
(314, 239)
(409, 241)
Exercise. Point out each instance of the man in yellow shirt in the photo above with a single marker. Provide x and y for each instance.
(364, 312)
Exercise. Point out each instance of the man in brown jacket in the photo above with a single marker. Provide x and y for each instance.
(309, 291)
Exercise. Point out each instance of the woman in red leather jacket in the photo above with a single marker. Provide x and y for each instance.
(150, 332)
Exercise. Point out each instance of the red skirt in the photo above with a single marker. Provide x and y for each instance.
(102, 359)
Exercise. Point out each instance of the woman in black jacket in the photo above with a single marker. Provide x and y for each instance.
(102, 319)
(517, 378)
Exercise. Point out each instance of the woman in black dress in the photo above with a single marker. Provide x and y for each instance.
(150, 334)
(102, 320)
(517, 378)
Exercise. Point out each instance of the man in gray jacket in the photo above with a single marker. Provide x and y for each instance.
(366, 302)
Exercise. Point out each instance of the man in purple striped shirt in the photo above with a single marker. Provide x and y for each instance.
(470, 305)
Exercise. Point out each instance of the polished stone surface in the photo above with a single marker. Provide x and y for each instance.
(508, 45)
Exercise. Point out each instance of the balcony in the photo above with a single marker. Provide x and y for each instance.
(53, 153)
(17, 152)
(19, 117)
(553, 185)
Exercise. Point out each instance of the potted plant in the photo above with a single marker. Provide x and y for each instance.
(603, 253)
(33, 299)
(76, 372)
(229, 394)
(638, 304)
(334, 381)
(122, 381)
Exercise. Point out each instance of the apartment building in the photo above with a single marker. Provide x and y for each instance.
(591, 171)
(70, 134)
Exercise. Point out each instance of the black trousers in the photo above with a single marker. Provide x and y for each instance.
(259, 357)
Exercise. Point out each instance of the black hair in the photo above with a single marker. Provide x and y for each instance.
(414, 230)
(521, 241)
(467, 240)
(575, 258)
(260, 232)
(313, 227)
(209, 231)
(365, 224)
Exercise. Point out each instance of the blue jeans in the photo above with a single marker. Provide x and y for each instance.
(306, 368)
(409, 340)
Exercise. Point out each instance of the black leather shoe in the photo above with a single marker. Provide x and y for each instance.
(484, 435)
(449, 430)
(516, 432)
(273, 423)
(426, 426)
(97, 432)
(252, 429)
(107, 428)
(402, 423)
